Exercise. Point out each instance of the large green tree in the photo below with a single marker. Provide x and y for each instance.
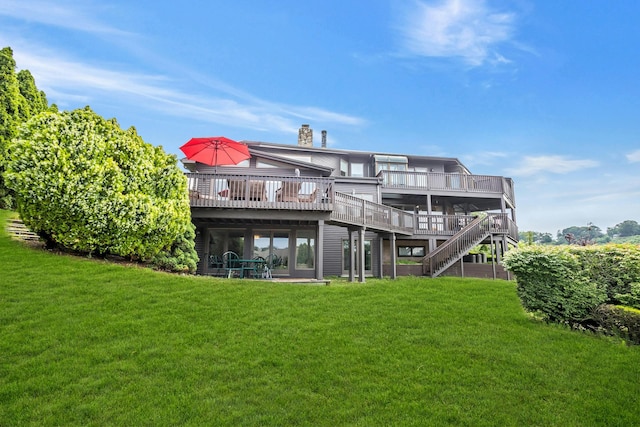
(35, 99)
(20, 99)
(624, 229)
(580, 235)
(537, 237)
(12, 109)
(85, 184)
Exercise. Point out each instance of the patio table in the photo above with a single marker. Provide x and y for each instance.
(251, 267)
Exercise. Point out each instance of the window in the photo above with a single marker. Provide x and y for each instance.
(391, 163)
(280, 251)
(274, 247)
(344, 167)
(411, 251)
(357, 169)
(221, 241)
(305, 249)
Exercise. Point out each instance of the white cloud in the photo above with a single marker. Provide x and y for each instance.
(634, 157)
(72, 80)
(74, 16)
(532, 165)
(465, 29)
(483, 158)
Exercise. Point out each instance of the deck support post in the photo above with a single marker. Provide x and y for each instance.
(320, 251)
(361, 255)
(352, 255)
(394, 252)
(493, 258)
(381, 257)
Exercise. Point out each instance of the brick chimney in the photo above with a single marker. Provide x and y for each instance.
(305, 136)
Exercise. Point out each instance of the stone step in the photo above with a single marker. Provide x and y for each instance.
(17, 230)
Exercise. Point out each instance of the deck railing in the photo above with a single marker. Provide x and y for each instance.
(434, 181)
(354, 210)
(260, 191)
(441, 225)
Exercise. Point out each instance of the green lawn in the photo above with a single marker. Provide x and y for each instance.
(84, 342)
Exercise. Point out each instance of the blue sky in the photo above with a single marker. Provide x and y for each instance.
(546, 92)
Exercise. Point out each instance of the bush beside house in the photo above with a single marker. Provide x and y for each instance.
(580, 286)
(85, 184)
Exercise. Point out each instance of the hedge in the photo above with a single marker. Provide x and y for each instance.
(566, 284)
(85, 184)
(620, 320)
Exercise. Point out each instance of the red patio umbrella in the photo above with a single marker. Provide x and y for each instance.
(215, 150)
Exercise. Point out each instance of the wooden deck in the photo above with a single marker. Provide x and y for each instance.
(449, 183)
(311, 194)
(260, 192)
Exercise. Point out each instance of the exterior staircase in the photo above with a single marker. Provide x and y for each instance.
(457, 246)
(18, 231)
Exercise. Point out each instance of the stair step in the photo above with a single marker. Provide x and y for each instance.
(18, 231)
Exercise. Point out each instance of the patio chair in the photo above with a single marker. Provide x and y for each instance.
(273, 261)
(288, 192)
(257, 191)
(237, 190)
(215, 262)
(230, 261)
(309, 198)
(261, 269)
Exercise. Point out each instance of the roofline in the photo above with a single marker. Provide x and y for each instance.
(293, 147)
(287, 160)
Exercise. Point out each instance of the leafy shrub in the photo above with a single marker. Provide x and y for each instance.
(632, 298)
(569, 284)
(550, 281)
(85, 184)
(615, 267)
(620, 320)
(180, 256)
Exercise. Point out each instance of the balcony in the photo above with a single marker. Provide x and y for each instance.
(260, 192)
(449, 183)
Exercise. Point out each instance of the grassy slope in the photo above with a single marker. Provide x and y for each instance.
(88, 343)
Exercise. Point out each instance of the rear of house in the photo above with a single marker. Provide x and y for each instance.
(312, 212)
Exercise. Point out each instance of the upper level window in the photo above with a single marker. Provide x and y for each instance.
(357, 169)
(344, 167)
(391, 163)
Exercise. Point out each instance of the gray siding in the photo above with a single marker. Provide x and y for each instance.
(333, 236)
(327, 160)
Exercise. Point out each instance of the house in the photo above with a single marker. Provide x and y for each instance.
(313, 212)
